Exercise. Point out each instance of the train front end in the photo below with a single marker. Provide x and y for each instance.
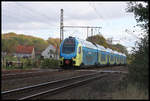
(68, 52)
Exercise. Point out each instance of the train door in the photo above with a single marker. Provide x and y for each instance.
(99, 57)
(78, 58)
(103, 58)
(107, 58)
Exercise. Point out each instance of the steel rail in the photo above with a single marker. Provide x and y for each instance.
(26, 74)
(59, 89)
(11, 92)
(14, 74)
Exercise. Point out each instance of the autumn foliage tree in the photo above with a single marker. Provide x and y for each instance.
(55, 42)
(11, 40)
(99, 39)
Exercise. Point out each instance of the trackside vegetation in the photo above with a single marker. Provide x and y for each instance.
(136, 84)
(138, 68)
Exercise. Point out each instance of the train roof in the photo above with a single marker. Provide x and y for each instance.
(86, 43)
(91, 45)
(123, 54)
(101, 48)
(109, 50)
(97, 46)
(115, 52)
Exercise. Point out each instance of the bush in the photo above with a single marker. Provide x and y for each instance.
(49, 63)
(27, 63)
(138, 69)
(130, 92)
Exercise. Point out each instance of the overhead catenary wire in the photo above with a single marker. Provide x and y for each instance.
(23, 9)
(35, 11)
(34, 14)
(96, 12)
(93, 7)
(30, 13)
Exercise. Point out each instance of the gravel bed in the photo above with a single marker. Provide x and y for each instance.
(52, 75)
(23, 71)
(117, 68)
(17, 83)
(26, 74)
(98, 89)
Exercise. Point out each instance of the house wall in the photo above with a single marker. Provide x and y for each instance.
(49, 52)
(22, 55)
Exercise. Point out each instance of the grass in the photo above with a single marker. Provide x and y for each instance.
(131, 92)
(113, 88)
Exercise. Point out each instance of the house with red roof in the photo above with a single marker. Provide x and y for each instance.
(25, 51)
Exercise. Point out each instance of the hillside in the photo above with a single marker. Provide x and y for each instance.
(11, 40)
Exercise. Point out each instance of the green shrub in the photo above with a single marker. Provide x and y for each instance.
(27, 63)
(138, 69)
(49, 63)
(139, 64)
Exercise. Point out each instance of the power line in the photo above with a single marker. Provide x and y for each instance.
(93, 7)
(35, 11)
(29, 13)
(28, 10)
(82, 26)
(85, 27)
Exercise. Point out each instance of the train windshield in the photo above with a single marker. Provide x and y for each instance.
(68, 46)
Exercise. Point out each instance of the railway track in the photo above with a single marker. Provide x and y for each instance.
(50, 88)
(26, 74)
(29, 74)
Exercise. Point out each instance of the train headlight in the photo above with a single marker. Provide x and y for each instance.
(67, 61)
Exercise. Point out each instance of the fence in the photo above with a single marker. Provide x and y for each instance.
(14, 63)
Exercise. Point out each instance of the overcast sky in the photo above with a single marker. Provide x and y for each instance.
(42, 19)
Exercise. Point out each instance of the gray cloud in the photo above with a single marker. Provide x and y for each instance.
(48, 13)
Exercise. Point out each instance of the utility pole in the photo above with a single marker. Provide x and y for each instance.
(61, 26)
(87, 31)
(91, 34)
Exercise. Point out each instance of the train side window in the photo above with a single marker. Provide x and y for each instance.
(111, 57)
(79, 49)
(108, 56)
(103, 57)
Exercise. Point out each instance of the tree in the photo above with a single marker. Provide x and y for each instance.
(55, 42)
(9, 45)
(141, 13)
(138, 69)
(120, 48)
(98, 39)
(11, 40)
